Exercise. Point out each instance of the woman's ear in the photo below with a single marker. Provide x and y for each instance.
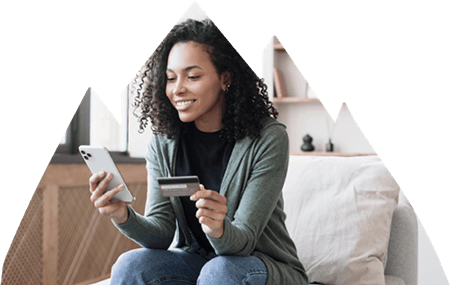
(227, 79)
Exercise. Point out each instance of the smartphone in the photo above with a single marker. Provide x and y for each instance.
(178, 186)
(98, 159)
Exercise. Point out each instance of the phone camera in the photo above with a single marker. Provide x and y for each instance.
(86, 155)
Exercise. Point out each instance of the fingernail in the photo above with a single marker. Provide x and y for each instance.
(121, 186)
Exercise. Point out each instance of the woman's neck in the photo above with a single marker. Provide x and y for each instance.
(209, 126)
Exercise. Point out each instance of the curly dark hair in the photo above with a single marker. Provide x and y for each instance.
(246, 101)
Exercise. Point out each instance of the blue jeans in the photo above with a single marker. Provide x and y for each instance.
(145, 266)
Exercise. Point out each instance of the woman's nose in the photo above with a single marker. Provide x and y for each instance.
(179, 87)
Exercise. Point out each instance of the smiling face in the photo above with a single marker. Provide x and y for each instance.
(194, 87)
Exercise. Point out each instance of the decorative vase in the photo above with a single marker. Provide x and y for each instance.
(329, 146)
(307, 143)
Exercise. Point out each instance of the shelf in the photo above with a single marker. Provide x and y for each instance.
(293, 100)
(317, 153)
(278, 47)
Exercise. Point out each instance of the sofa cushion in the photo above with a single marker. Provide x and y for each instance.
(339, 212)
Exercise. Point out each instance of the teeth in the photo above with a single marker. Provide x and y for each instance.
(184, 103)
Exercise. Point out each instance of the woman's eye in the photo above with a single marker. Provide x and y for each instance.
(173, 79)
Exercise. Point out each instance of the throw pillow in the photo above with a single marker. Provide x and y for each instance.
(339, 212)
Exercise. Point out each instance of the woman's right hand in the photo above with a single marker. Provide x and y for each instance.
(115, 210)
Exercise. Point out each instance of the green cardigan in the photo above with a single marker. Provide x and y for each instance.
(252, 184)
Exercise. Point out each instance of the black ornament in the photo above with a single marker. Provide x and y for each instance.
(307, 145)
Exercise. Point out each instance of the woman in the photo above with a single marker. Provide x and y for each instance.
(212, 118)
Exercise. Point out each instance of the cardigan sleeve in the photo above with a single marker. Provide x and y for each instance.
(259, 218)
(156, 228)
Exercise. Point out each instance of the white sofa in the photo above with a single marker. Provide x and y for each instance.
(347, 223)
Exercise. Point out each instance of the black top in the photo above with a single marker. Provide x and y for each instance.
(205, 155)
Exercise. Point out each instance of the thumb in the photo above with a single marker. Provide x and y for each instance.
(194, 196)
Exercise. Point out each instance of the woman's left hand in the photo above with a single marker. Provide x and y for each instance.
(212, 208)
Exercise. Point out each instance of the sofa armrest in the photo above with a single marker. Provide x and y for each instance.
(403, 245)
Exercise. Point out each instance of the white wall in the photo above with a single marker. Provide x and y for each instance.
(313, 119)
(104, 128)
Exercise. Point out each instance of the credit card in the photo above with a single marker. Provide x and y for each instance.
(178, 186)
